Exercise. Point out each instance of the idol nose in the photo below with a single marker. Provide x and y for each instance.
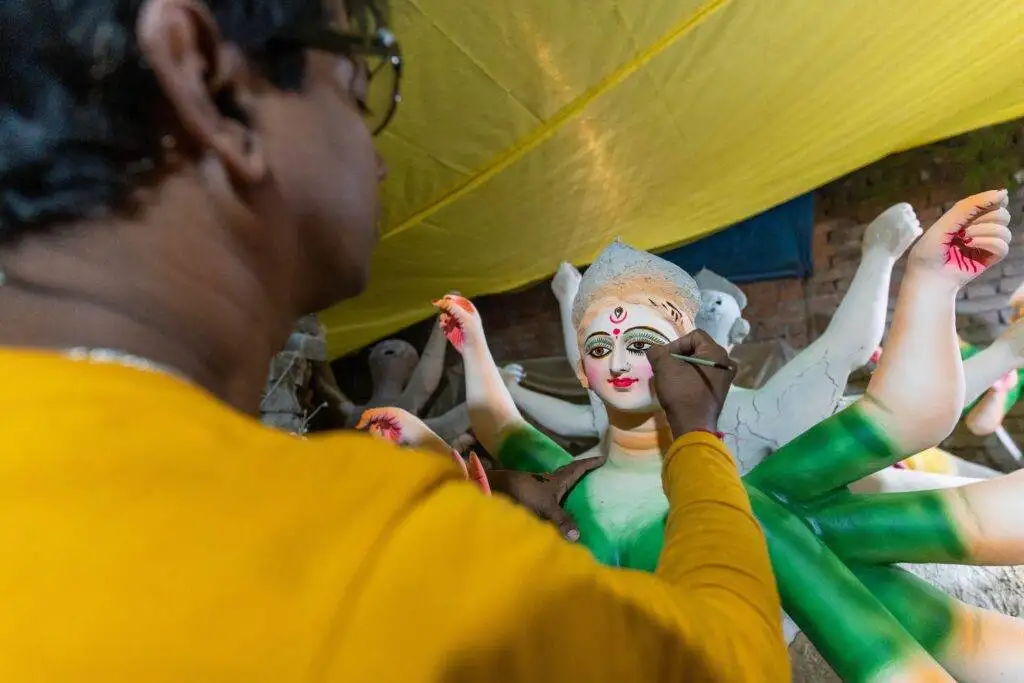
(620, 363)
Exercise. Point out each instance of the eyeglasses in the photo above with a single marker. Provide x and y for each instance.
(378, 50)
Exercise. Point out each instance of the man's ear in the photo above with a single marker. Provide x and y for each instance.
(581, 375)
(205, 82)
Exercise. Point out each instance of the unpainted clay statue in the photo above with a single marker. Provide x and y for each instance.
(833, 552)
(802, 393)
(405, 379)
(288, 403)
(721, 309)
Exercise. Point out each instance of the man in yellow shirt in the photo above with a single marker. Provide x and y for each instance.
(180, 181)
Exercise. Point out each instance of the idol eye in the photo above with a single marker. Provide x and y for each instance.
(638, 340)
(598, 352)
(638, 347)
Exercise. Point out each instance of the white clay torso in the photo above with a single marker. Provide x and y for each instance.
(625, 497)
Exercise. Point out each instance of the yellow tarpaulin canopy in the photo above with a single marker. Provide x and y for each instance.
(535, 131)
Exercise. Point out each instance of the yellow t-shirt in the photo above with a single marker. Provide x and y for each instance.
(152, 534)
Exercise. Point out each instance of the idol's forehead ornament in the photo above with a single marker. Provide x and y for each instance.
(620, 269)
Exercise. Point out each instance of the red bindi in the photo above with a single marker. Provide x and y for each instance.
(616, 332)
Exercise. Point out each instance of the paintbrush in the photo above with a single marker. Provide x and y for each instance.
(701, 361)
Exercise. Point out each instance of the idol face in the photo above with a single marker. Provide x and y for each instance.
(613, 351)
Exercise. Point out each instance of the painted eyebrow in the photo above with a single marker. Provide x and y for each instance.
(596, 334)
(645, 329)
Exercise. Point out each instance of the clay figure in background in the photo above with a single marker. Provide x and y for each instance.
(721, 309)
(404, 379)
(801, 394)
(288, 402)
(833, 552)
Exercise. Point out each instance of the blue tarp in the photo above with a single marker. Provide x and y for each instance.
(770, 245)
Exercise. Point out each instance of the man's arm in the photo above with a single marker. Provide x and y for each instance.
(520, 604)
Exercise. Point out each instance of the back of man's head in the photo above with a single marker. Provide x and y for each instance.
(96, 95)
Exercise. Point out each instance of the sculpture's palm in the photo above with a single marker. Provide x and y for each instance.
(398, 426)
(405, 429)
(967, 239)
(460, 321)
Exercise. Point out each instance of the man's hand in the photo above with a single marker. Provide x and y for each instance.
(691, 395)
(543, 493)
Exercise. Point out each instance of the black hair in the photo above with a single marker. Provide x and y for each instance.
(77, 103)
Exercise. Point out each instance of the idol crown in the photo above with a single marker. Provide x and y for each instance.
(620, 267)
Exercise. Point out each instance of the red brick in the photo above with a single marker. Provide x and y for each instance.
(823, 304)
(819, 288)
(836, 272)
(790, 288)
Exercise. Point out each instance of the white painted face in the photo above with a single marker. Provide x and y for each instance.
(614, 354)
(718, 313)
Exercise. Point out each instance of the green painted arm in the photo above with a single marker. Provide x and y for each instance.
(890, 527)
(925, 611)
(842, 449)
(524, 448)
(849, 626)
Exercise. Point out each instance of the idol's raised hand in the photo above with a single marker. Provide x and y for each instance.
(460, 321)
(403, 428)
(968, 239)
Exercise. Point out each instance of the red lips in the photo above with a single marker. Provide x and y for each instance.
(623, 382)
